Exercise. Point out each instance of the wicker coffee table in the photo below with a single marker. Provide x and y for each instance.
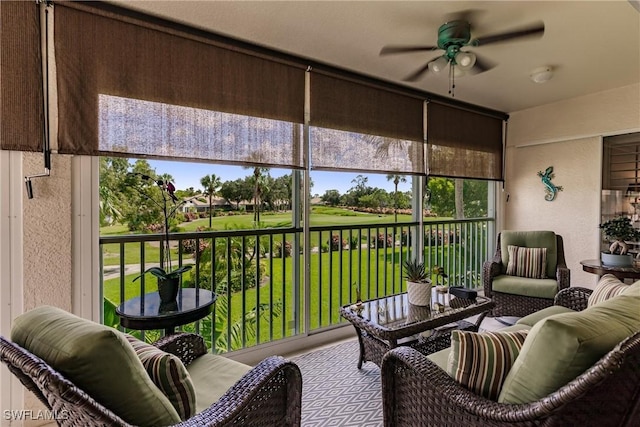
(385, 323)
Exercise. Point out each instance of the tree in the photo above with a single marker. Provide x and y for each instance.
(331, 197)
(211, 184)
(235, 191)
(442, 196)
(259, 186)
(397, 179)
(113, 172)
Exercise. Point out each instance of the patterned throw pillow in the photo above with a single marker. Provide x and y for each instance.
(608, 287)
(481, 361)
(527, 262)
(169, 374)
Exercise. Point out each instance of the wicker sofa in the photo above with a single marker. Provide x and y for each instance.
(227, 392)
(419, 392)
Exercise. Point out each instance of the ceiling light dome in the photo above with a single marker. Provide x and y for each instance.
(541, 74)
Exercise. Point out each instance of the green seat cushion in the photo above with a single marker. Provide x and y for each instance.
(531, 239)
(212, 376)
(534, 318)
(168, 374)
(480, 361)
(608, 286)
(538, 288)
(99, 360)
(561, 347)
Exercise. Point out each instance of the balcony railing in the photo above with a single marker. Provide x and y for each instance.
(260, 275)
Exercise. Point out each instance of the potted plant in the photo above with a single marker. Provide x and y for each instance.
(619, 231)
(418, 283)
(168, 278)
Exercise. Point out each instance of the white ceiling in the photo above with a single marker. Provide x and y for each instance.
(591, 45)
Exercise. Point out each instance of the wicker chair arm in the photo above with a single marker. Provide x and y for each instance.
(575, 298)
(490, 269)
(563, 274)
(186, 346)
(270, 394)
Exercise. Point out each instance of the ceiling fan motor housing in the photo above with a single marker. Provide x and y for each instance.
(454, 33)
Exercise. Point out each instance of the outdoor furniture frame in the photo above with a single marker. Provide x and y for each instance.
(268, 395)
(377, 337)
(514, 304)
(416, 392)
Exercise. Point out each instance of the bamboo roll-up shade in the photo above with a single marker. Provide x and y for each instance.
(100, 53)
(343, 104)
(360, 127)
(463, 144)
(21, 98)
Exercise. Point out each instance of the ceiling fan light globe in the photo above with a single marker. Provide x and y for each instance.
(465, 60)
(438, 65)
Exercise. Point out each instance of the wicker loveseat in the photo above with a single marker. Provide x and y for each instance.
(520, 296)
(419, 392)
(268, 394)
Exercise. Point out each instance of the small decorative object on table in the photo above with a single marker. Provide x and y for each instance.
(619, 230)
(168, 279)
(441, 289)
(418, 283)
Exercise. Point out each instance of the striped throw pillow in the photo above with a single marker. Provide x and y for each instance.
(608, 287)
(480, 362)
(527, 262)
(169, 374)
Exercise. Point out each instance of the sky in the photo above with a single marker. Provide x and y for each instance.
(188, 175)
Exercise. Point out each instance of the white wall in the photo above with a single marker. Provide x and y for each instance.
(568, 136)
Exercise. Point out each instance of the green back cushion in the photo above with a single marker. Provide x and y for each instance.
(530, 239)
(539, 315)
(97, 359)
(608, 286)
(561, 347)
(527, 262)
(168, 374)
(481, 361)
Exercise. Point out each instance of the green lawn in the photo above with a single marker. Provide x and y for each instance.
(334, 275)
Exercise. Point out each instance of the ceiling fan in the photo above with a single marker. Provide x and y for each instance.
(453, 37)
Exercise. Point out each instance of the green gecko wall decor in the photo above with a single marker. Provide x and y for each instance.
(551, 190)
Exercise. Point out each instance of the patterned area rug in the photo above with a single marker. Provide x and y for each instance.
(335, 392)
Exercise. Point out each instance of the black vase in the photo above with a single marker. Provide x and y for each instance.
(168, 289)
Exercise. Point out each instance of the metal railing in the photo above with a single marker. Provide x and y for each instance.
(259, 273)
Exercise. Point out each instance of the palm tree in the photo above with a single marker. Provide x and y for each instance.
(397, 179)
(211, 184)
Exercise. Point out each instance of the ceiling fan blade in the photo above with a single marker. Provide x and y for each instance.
(419, 72)
(388, 50)
(532, 30)
(467, 15)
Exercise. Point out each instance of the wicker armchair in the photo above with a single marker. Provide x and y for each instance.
(512, 303)
(268, 395)
(416, 392)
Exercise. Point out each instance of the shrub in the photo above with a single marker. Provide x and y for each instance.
(281, 249)
(380, 240)
(336, 243)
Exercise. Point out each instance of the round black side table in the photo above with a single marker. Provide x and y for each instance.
(146, 312)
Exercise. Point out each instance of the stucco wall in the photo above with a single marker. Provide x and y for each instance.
(47, 234)
(565, 135)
